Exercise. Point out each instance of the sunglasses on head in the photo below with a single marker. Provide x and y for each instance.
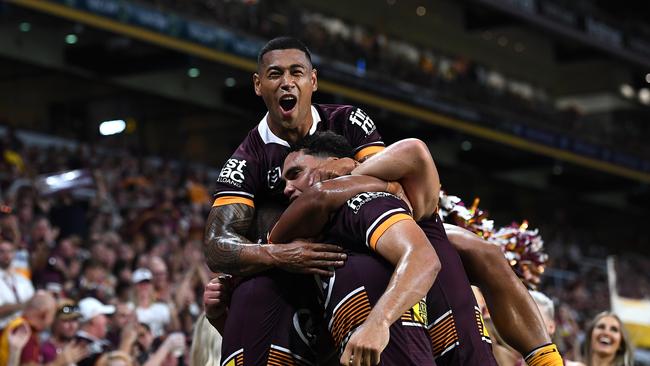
(69, 309)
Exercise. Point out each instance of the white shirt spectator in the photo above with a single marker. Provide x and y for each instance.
(156, 316)
(14, 289)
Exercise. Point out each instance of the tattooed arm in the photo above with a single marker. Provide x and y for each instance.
(228, 250)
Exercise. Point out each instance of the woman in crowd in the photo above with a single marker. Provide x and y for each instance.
(607, 343)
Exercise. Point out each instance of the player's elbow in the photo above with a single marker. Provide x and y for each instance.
(417, 150)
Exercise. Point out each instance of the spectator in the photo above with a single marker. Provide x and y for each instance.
(607, 342)
(64, 328)
(15, 290)
(206, 344)
(38, 315)
(94, 328)
(156, 315)
(115, 358)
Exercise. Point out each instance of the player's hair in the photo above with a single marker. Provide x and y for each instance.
(283, 43)
(324, 144)
(544, 303)
(624, 353)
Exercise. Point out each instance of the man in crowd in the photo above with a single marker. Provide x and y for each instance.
(38, 315)
(94, 328)
(15, 289)
(64, 328)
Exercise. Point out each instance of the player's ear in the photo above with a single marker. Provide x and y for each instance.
(257, 84)
(314, 80)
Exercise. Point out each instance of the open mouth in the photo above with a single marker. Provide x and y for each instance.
(288, 102)
(605, 340)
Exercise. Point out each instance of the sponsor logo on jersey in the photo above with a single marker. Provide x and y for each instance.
(361, 119)
(356, 202)
(233, 172)
(273, 177)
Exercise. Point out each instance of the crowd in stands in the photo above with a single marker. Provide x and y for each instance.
(387, 59)
(117, 264)
(108, 270)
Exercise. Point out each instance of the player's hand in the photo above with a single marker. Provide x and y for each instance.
(331, 168)
(216, 296)
(365, 345)
(309, 258)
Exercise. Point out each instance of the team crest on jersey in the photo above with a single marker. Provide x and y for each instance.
(356, 202)
(273, 177)
(361, 119)
(233, 172)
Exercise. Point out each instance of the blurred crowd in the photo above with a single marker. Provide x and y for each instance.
(387, 60)
(102, 260)
(115, 263)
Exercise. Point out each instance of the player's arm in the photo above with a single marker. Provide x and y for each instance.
(514, 313)
(410, 163)
(416, 263)
(308, 214)
(227, 249)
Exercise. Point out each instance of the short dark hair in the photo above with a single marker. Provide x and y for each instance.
(283, 43)
(324, 144)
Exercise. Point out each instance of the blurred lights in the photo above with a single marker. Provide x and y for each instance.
(488, 35)
(627, 91)
(25, 26)
(644, 96)
(193, 72)
(230, 82)
(558, 169)
(113, 127)
(420, 10)
(466, 145)
(503, 41)
(519, 47)
(647, 78)
(71, 38)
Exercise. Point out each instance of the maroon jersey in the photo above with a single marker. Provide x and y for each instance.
(454, 324)
(269, 318)
(349, 296)
(254, 172)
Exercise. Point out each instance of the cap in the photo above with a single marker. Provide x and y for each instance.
(141, 274)
(67, 310)
(90, 307)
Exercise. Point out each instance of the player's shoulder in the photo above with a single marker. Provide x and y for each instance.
(376, 203)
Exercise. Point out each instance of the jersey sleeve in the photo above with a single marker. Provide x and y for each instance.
(375, 212)
(362, 134)
(238, 180)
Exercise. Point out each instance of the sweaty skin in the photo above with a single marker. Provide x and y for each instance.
(281, 73)
(404, 245)
(513, 311)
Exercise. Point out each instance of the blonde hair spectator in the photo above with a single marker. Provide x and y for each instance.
(607, 342)
(206, 344)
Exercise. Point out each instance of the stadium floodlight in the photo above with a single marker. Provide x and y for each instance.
(644, 96)
(71, 38)
(627, 91)
(25, 27)
(113, 127)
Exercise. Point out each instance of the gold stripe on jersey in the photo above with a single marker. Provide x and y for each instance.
(416, 316)
(381, 229)
(235, 359)
(443, 334)
(350, 313)
(485, 336)
(280, 356)
(367, 151)
(228, 200)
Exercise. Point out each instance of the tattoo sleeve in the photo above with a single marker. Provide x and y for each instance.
(225, 247)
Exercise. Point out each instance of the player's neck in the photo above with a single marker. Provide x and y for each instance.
(291, 131)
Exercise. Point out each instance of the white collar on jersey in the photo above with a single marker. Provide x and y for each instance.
(269, 137)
